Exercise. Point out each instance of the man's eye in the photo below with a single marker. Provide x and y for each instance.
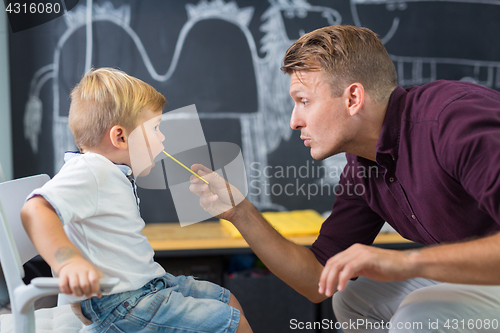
(157, 127)
(304, 102)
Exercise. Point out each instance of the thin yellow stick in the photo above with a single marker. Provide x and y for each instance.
(185, 167)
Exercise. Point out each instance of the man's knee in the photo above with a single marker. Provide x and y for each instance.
(413, 317)
(433, 308)
(356, 301)
(370, 302)
(341, 307)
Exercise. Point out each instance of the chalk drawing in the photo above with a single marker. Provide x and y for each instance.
(263, 130)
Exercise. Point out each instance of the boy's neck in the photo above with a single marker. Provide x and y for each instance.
(113, 154)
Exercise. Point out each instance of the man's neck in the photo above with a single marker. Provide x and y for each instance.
(365, 143)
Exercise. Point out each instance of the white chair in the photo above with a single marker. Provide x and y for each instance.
(16, 249)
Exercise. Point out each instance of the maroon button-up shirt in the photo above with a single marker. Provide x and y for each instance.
(437, 173)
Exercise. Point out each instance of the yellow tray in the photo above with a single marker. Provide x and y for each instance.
(292, 223)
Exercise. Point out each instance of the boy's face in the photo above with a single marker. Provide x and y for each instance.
(145, 142)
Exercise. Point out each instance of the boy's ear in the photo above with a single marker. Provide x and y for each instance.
(118, 137)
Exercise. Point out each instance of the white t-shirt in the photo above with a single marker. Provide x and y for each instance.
(98, 208)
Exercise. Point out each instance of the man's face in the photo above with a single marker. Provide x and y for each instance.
(145, 142)
(321, 118)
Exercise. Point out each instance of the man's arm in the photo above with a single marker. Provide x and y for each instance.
(294, 264)
(471, 262)
(43, 226)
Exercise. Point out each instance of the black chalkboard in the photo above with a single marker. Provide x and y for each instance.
(224, 57)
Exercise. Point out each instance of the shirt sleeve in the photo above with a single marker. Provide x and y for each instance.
(72, 193)
(468, 145)
(351, 221)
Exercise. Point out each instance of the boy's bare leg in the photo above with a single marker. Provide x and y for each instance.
(243, 326)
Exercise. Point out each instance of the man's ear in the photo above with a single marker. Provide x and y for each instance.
(118, 137)
(355, 94)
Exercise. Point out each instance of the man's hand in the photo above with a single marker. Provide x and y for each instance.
(76, 275)
(219, 198)
(361, 260)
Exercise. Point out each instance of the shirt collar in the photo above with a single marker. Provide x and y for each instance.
(127, 171)
(388, 140)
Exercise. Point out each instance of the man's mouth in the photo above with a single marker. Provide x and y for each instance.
(306, 141)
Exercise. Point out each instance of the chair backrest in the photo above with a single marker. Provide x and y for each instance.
(15, 246)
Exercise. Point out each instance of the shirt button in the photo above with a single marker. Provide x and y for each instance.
(391, 179)
(414, 217)
(129, 172)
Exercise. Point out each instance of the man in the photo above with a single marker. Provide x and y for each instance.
(436, 152)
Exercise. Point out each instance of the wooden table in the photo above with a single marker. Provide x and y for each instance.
(208, 252)
(208, 238)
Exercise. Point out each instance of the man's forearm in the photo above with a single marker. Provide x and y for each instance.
(471, 262)
(294, 264)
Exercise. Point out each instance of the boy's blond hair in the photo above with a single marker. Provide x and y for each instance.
(106, 97)
(347, 54)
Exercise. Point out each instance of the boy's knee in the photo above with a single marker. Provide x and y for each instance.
(243, 326)
(234, 303)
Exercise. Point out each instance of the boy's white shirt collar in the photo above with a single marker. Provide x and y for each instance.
(127, 171)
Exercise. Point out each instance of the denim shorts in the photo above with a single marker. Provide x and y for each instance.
(165, 304)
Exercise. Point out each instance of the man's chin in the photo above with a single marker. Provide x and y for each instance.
(320, 156)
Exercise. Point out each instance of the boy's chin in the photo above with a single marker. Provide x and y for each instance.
(146, 171)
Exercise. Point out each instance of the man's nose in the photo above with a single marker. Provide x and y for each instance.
(296, 121)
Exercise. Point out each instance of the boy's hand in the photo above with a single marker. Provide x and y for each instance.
(219, 198)
(76, 275)
(43, 226)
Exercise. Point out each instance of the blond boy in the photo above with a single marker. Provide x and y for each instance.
(86, 224)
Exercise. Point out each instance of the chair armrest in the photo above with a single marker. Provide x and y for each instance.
(47, 282)
(44, 286)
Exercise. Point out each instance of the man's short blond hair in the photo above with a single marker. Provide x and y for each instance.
(106, 97)
(346, 54)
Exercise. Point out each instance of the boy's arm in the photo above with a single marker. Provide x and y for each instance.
(43, 226)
